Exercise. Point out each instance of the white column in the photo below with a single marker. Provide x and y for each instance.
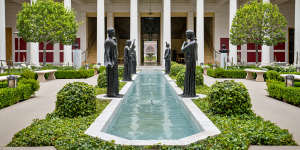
(200, 31)
(297, 32)
(266, 51)
(68, 48)
(244, 54)
(56, 54)
(2, 31)
(33, 49)
(232, 48)
(100, 31)
(190, 20)
(134, 28)
(166, 27)
(110, 20)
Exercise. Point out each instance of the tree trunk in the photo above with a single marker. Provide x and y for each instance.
(256, 53)
(44, 53)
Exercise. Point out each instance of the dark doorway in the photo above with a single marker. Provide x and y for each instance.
(92, 39)
(291, 45)
(122, 27)
(179, 28)
(150, 31)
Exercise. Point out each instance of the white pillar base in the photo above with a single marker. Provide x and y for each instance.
(68, 55)
(56, 54)
(34, 54)
(266, 55)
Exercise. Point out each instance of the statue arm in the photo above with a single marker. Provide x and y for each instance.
(184, 45)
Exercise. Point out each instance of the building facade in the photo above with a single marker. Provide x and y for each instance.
(154, 21)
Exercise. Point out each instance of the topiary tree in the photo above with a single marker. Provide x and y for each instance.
(229, 98)
(76, 99)
(259, 23)
(48, 22)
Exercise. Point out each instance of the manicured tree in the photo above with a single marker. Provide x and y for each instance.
(48, 22)
(259, 23)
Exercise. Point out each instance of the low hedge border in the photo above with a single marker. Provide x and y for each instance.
(24, 90)
(74, 74)
(222, 73)
(278, 90)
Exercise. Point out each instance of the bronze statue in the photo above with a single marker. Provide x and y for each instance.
(111, 63)
(189, 49)
(133, 58)
(167, 58)
(127, 62)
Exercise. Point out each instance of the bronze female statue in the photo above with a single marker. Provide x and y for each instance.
(189, 49)
(133, 58)
(127, 62)
(167, 58)
(111, 63)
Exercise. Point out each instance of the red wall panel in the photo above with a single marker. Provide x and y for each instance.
(49, 57)
(280, 46)
(251, 57)
(279, 56)
(251, 46)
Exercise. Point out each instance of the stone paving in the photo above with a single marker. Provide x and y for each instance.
(20, 115)
(284, 115)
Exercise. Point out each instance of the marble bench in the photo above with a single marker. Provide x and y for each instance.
(259, 74)
(4, 78)
(41, 75)
(296, 77)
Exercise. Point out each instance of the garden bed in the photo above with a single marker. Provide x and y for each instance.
(238, 132)
(223, 73)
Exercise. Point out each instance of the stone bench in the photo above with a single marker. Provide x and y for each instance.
(41, 75)
(4, 78)
(259, 74)
(296, 77)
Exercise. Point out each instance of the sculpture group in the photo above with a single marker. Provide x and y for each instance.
(111, 63)
(189, 48)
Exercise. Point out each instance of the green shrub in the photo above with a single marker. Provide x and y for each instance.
(180, 77)
(273, 75)
(3, 84)
(74, 74)
(229, 98)
(35, 85)
(75, 99)
(279, 91)
(101, 69)
(222, 73)
(297, 84)
(102, 82)
(121, 71)
(175, 69)
(199, 76)
(28, 74)
(24, 90)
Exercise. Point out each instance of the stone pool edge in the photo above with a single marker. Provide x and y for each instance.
(95, 129)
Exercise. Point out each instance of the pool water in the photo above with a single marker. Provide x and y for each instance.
(151, 110)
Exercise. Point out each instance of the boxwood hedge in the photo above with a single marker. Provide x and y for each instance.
(24, 90)
(74, 74)
(278, 90)
(223, 73)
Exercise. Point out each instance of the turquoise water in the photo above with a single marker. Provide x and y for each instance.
(151, 110)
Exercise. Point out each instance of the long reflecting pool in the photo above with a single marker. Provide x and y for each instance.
(151, 110)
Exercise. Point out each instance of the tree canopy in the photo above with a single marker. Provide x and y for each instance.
(259, 23)
(47, 21)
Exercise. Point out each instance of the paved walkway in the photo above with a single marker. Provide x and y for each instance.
(284, 115)
(20, 115)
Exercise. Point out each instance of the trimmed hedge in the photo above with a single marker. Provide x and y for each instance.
(199, 77)
(75, 99)
(279, 91)
(24, 90)
(229, 98)
(222, 73)
(273, 75)
(74, 74)
(175, 69)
